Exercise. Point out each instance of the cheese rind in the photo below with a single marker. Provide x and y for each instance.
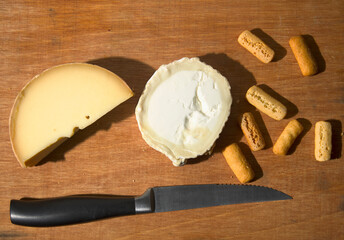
(58, 102)
(183, 109)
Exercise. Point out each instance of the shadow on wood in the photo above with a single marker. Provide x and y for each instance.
(336, 138)
(135, 74)
(291, 107)
(280, 52)
(258, 171)
(240, 80)
(199, 159)
(313, 46)
(307, 125)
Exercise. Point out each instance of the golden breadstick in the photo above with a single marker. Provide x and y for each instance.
(237, 162)
(323, 141)
(265, 103)
(256, 46)
(303, 56)
(287, 138)
(251, 131)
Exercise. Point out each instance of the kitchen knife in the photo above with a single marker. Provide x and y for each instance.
(84, 208)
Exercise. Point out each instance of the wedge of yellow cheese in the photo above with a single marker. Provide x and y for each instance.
(58, 102)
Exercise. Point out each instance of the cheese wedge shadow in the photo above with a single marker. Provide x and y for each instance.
(58, 102)
(38, 158)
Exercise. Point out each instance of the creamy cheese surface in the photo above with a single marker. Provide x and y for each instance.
(183, 109)
(182, 105)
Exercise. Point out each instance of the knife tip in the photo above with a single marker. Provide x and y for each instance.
(286, 197)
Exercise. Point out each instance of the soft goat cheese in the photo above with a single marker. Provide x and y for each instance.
(183, 109)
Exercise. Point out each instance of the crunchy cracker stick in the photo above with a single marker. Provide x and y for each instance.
(303, 56)
(265, 103)
(251, 131)
(238, 163)
(287, 137)
(323, 141)
(256, 46)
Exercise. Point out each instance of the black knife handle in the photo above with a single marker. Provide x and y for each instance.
(68, 210)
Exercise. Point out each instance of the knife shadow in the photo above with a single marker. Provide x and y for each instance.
(135, 74)
(240, 80)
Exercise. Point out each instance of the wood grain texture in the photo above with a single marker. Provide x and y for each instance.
(132, 39)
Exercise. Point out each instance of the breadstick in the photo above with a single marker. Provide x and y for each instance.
(303, 56)
(287, 138)
(251, 131)
(256, 46)
(265, 103)
(238, 163)
(323, 141)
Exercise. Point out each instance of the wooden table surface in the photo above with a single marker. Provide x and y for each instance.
(133, 39)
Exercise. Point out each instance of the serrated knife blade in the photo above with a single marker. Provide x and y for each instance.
(199, 196)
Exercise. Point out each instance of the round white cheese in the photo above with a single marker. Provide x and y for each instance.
(183, 109)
